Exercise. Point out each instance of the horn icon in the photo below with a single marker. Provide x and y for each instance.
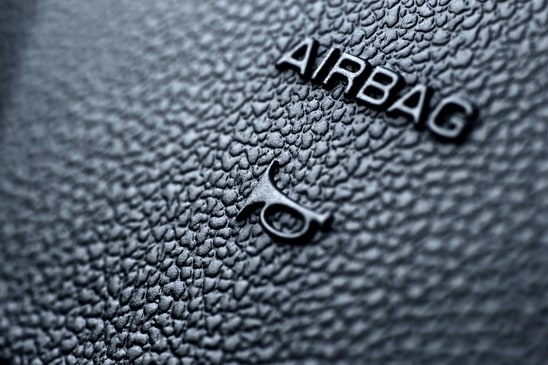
(272, 200)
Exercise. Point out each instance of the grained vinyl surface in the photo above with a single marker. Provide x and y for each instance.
(132, 131)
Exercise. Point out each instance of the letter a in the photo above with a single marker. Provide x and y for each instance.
(300, 58)
(412, 103)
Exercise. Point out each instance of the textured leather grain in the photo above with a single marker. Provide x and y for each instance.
(132, 131)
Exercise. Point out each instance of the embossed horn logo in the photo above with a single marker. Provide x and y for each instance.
(271, 200)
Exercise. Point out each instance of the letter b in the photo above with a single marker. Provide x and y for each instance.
(379, 87)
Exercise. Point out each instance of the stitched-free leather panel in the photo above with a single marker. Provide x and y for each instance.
(132, 132)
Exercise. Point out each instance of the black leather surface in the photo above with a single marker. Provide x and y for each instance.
(132, 131)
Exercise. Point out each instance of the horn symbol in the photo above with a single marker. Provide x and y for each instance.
(272, 200)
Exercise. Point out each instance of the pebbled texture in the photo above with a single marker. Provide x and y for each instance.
(131, 132)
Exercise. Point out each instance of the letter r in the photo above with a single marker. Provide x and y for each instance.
(347, 67)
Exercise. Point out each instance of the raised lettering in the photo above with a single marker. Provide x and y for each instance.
(451, 118)
(328, 61)
(348, 68)
(379, 88)
(300, 58)
(412, 104)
